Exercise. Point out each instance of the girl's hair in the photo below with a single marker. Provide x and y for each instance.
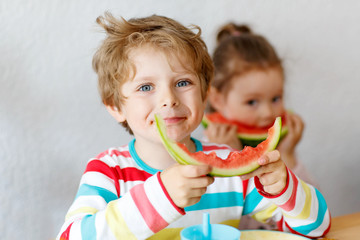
(238, 51)
(112, 64)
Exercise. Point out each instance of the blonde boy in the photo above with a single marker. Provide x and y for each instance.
(155, 65)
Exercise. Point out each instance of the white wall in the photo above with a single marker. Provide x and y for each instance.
(52, 120)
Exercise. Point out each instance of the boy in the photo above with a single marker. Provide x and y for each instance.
(151, 66)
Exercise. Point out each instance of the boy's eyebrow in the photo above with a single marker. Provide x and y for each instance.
(141, 78)
(175, 73)
(185, 71)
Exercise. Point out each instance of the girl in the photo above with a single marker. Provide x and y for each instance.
(248, 88)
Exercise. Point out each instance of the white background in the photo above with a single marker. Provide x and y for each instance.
(52, 120)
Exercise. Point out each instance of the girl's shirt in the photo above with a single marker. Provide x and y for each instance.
(121, 197)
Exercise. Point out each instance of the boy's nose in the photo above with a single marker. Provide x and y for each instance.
(169, 99)
(172, 104)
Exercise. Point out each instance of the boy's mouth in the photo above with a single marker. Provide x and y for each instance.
(173, 120)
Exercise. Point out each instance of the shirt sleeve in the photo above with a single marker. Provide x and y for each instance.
(100, 212)
(301, 208)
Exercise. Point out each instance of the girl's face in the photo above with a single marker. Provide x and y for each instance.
(255, 98)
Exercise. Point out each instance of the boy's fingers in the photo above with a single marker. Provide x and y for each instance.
(268, 179)
(195, 170)
(252, 174)
(269, 157)
(201, 182)
(274, 189)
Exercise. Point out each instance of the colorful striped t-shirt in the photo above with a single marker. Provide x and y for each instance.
(121, 197)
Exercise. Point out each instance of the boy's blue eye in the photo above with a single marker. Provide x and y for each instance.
(182, 83)
(146, 88)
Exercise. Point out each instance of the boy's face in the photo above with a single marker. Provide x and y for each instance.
(161, 86)
(255, 98)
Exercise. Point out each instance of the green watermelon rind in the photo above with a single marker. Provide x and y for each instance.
(183, 158)
(218, 172)
(253, 142)
(174, 150)
(249, 139)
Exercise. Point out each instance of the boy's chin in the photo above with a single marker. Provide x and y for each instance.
(178, 136)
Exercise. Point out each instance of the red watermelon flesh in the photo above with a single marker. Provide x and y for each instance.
(249, 135)
(237, 162)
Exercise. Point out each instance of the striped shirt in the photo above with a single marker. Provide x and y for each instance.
(121, 197)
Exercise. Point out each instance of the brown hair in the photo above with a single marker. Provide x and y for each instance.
(239, 51)
(112, 64)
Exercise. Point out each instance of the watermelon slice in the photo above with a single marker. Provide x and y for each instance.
(237, 162)
(248, 135)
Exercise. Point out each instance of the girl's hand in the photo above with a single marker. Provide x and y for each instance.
(223, 134)
(186, 183)
(288, 143)
(272, 173)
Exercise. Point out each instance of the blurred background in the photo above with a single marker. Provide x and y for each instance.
(52, 120)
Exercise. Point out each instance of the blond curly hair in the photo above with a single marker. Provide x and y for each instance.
(112, 64)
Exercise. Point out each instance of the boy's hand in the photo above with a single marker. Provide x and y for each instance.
(272, 173)
(223, 134)
(287, 145)
(186, 183)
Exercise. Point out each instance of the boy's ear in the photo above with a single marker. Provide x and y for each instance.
(216, 99)
(116, 113)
